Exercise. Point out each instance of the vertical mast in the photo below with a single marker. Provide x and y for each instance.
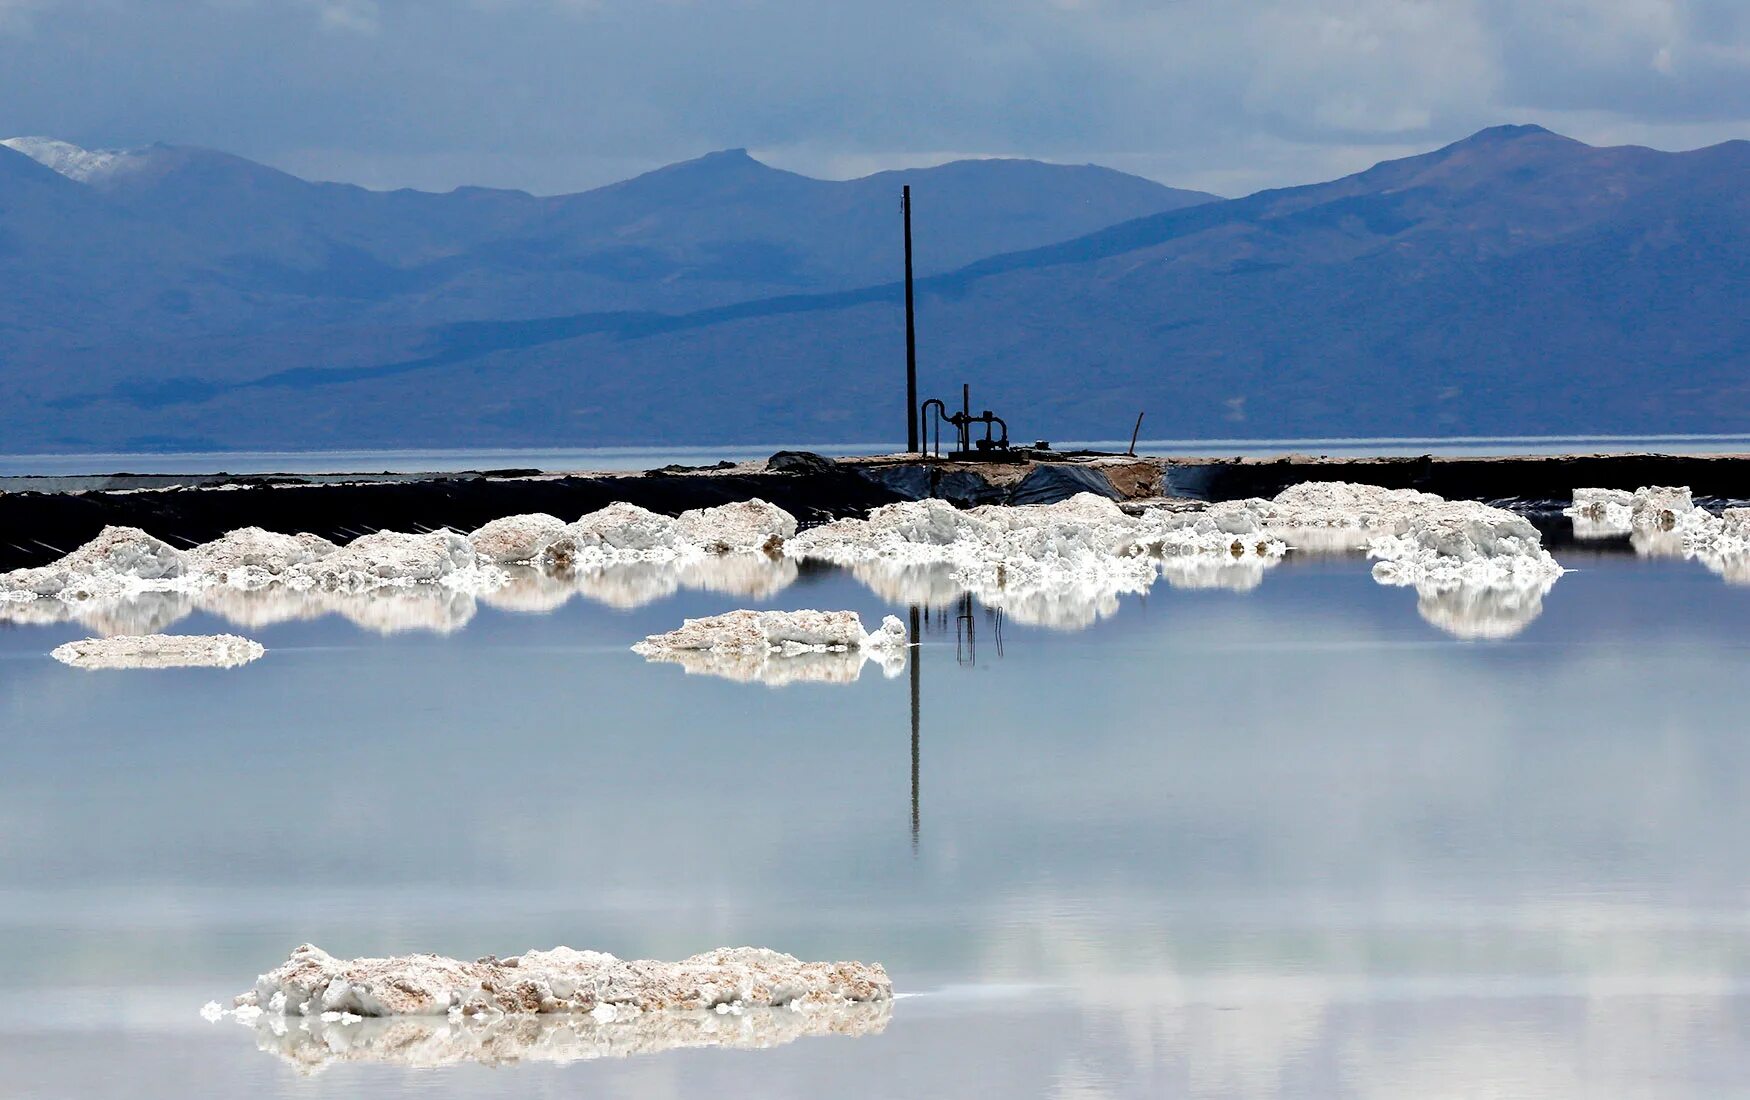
(911, 337)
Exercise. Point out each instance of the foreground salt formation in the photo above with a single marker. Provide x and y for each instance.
(160, 651)
(414, 1042)
(780, 647)
(313, 983)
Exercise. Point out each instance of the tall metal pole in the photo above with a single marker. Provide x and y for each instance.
(911, 338)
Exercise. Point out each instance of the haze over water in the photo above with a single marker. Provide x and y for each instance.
(1290, 841)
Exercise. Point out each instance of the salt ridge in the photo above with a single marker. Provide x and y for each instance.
(1061, 564)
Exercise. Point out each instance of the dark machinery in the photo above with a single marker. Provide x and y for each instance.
(963, 421)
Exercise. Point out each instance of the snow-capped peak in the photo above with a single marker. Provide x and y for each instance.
(68, 159)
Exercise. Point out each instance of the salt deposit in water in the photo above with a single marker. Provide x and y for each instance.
(1601, 513)
(1462, 542)
(780, 647)
(783, 632)
(160, 651)
(312, 982)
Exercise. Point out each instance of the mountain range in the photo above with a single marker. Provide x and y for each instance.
(1515, 282)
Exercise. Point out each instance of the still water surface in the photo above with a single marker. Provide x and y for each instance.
(1292, 841)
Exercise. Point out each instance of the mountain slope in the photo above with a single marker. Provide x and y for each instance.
(240, 247)
(1514, 282)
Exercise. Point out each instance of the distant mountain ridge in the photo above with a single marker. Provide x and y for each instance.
(240, 245)
(1513, 282)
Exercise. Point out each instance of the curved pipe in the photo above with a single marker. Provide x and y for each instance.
(924, 419)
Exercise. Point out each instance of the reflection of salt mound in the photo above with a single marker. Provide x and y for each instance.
(430, 1042)
(842, 666)
(146, 612)
(628, 584)
(779, 647)
(1058, 608)
(160, 651)
(920, 584)
(529, 591)
(1462, 542)
(1601, 513)
(1206, 571)
(254, 608)
(1482, 611)
(756, 575)
(1651, 542)
(1326, 540)
(312, 982)
(438, 609)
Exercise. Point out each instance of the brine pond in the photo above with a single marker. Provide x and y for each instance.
(1288, 833)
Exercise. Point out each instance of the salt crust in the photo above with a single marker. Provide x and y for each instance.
(160, 651)
(313, 983)
(312, 1045)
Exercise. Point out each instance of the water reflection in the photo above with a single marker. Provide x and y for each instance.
(1482, 611)
(312, 1045)
(776, 669)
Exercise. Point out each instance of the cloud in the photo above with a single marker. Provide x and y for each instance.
(354, 16)
(560, 94)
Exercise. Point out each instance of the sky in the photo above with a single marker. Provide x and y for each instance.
(553, 96)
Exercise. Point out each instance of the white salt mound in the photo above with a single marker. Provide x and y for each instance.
(391, 557)
(255, 549)
(516, 539)
(118, 561)
(1462, 541)
(311, 982)
(1601, 513)
(741, 527)
(160, 651)
(619, 532)
(1661, 507)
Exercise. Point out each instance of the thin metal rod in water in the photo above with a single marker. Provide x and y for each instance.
(1134, 432)
(917, 652)
(911, 337)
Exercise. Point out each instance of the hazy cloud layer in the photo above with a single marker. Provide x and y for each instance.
(556, 95)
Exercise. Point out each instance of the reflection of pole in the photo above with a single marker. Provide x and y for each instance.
(917, 653)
